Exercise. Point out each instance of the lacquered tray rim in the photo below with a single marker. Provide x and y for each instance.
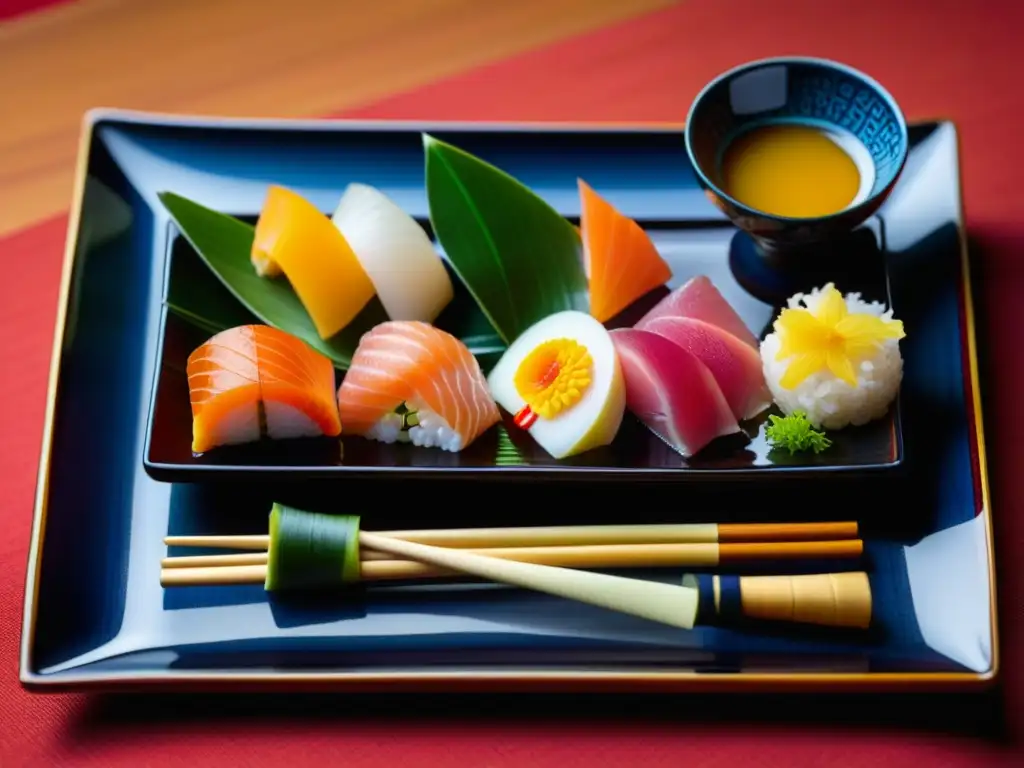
(486, 681)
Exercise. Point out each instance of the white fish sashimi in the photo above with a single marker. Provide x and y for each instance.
(408, 274)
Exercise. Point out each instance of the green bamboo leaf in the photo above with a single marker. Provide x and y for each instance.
(224, 244)
(518, 257)
(217, 288)
(195, 294)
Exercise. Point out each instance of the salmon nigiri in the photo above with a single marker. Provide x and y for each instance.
(411, 382)
(255, 381)
(619, 258)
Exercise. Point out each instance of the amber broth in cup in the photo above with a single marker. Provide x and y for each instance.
(796, 170)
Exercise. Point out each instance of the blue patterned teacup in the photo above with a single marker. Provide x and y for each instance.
(808, 91)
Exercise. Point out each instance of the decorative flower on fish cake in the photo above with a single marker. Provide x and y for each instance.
(551, 378)
(830, 338)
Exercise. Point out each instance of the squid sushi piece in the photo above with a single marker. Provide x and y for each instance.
(410, 279)
(253, 382)
(411, 382)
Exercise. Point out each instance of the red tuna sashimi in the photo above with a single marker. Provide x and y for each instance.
(736, 366)
(699, 299)
(671, 391)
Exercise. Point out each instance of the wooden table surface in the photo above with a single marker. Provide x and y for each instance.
(619, 60)
(300, 58)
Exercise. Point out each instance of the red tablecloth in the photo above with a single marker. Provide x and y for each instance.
(962, 60)
(9, 9)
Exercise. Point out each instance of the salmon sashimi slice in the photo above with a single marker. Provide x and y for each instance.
(254, 381)
(672, 392)
(735, 365)
(411, 382)
(699, 299)
(620, 260)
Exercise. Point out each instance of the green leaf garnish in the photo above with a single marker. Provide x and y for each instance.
(197, 296)
(224, 244)
(229, 293)
(795, 434)
(519, 258)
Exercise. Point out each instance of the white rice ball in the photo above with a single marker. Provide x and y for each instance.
(829, 402)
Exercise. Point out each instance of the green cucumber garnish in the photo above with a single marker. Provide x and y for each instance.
(309, 550)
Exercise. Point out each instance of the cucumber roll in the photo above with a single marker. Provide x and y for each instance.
(309, 550)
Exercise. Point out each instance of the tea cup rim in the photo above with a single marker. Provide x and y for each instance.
(776, 60)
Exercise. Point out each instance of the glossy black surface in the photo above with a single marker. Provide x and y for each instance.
(692, 240)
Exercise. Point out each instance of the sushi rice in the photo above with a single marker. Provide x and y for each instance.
(829, 402)
(432, 431)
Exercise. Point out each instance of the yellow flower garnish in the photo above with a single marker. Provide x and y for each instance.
(554, 376)
(830, 338)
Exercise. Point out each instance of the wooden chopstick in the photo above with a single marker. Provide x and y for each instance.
(598, 555)
(215, 561)
(473, 538)
(250, 568)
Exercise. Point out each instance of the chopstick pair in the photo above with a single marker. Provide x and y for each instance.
(310, 550)
(639, 546)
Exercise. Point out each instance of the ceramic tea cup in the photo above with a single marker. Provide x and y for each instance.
(796, 151)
